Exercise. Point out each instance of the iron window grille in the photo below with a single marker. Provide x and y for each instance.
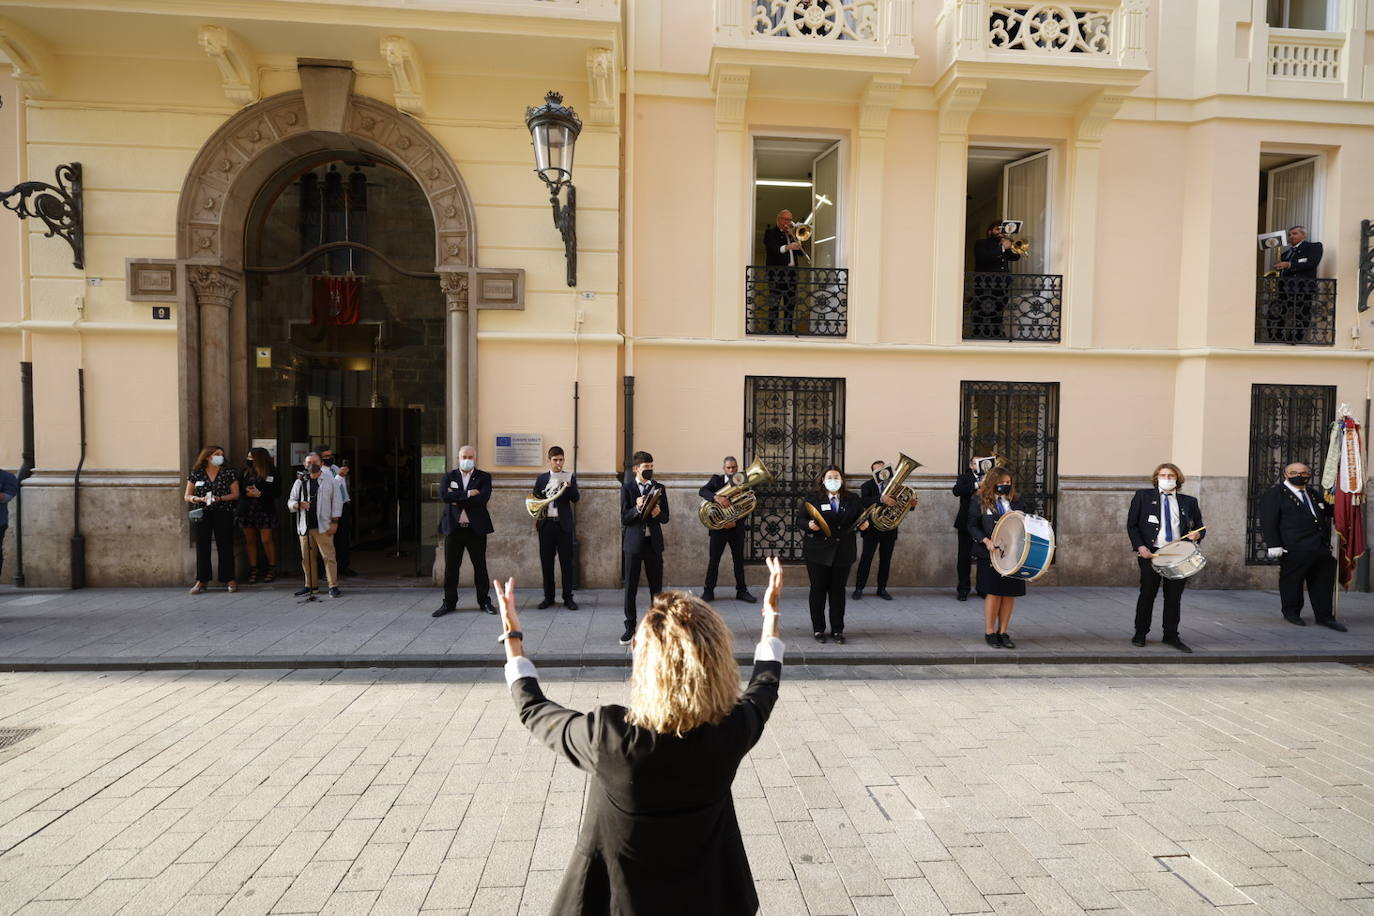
(1018, 422)
(1288, 423)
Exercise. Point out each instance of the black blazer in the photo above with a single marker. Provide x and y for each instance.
(646, 537)
(456, 501)
(1145, 505)
(1287, 523)
(659, 834)
(268, 486)
(1304, 256)
(979, 524)
(990, 257)
(871, 494)
(773, 241)
(567, 515)
(840, 548)
(964, 488)
(713, 486)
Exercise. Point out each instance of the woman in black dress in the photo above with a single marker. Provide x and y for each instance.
(659, 834)
(996, 497)
(257, 513)
(828, 558)
(214, 489)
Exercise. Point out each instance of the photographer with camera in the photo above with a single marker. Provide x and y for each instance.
(315, 499)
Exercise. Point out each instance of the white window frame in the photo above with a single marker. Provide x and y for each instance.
(1051, 189)
(842, 209)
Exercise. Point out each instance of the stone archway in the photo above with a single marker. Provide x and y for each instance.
(216, 197)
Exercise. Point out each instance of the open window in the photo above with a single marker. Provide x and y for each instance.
(1293, 305)
(1319, 15)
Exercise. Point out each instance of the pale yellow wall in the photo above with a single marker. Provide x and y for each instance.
(11, 271)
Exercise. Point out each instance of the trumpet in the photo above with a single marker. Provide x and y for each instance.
(740, 493)
(887, 518)
(1019, 246)
(538, 506)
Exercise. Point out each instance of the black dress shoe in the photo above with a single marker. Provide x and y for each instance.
(744, 595)
(962, 596)
(993, 640)
(1179, 644)
(1138, 641)
(302, 592)
(488, 607)
(857, 594)
(1295, 621)
(882, 593)
(819, 637)
(1005, 640)
(838, 637)
(1334, 624)
(441, 610)
(570, 604)
(546, 603)
(708, 595)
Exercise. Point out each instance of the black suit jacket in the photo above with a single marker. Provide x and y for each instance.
(773, 241)
(990, 257)
(979, 523)
(646, 537)
(870, 494)
(659, 834)
(840, 548)
(1145, 505)
(567, 515)
(1304, 256)
(1287, 523)
(964, 488)
(456, 501)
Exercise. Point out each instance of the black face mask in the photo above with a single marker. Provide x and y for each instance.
(1299, 481)
(647, 473)
(1003, 489)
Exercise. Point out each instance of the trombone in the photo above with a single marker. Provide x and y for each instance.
(803, 231)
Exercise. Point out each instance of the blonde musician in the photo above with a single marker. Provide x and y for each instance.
(996, 497)
(558, 528)
(643, 513)
(829, 557)
(1161, 515)
(732, 535)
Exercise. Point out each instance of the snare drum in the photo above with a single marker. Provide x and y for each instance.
(1023, 546)
(1178, 560)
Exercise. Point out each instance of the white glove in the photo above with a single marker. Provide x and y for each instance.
(1276, 552)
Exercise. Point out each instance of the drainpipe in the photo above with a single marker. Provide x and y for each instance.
(26, 468)
(78, 540)
(576, 544)
(629, 424)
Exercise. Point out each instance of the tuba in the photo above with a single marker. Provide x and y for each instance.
(538, 506)
(740, 491)
(887, 518)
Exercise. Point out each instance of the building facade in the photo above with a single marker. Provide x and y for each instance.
(247, 171)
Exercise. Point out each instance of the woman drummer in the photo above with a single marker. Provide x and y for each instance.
(996, 497)
(1161, 515)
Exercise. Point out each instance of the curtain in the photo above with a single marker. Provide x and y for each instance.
(1025, 192)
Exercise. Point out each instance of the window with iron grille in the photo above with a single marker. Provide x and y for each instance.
(796, 427)
(1288, 424)
(1018, 422)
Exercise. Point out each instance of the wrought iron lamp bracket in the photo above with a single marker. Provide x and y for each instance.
(58, 206)
(1366, 262)
(565, 221)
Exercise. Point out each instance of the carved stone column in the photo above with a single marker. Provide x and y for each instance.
(455, 286)
(215, 289)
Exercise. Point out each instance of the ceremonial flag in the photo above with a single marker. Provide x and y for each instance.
(1343, 480)
(335, 300)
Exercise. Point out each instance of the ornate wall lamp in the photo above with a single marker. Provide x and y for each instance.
(553, 131)
(58, 206)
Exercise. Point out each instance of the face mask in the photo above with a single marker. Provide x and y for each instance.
(1003, 489)
(834, 485)
(466, 464)
(217, 460)
(647, 473)
(312, 469)
(1166, 484)
(1299, 481)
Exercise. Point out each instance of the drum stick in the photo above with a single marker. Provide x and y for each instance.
(1185, 537)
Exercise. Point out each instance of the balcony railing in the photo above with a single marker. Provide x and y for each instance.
(855, 26)
(796, 301)
(1295, 310)
(1297, 54)
(1094, 34)
(1000, 306)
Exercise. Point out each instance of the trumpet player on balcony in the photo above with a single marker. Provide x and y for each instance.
(781, 251)
(732, 535)
(556, 523)
(992, 257)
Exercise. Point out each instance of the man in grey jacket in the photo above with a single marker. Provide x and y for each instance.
(316, 500)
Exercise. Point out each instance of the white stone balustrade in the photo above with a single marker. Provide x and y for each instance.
(1296, 54)
(851, 26)
(1103, 33)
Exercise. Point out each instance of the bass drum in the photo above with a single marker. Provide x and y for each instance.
(1022, 546)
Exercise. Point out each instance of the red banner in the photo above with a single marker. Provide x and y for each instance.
(335, 300)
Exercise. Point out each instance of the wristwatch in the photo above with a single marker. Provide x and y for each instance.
(513, 634)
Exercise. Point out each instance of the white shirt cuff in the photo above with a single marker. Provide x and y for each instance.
(769, 649)
(519, 667)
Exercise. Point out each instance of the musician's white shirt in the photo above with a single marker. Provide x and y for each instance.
(1303, 497)
(1160, 539)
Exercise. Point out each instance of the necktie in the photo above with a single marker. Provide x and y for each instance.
(1001, 507)
(1308, 503)
(834, 504)
(1168, 520)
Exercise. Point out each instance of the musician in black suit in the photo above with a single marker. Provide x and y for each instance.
(781, 252)
(1159, 516)
(1301, 257)
(1296, 522)
(465, 525)
(659, 835)
(1290, 311)
(995, 498)
(558, 528)
(964, 488)
(875, 541)
(732, 535)
(992, 257)
(643, 535)
(828, 558)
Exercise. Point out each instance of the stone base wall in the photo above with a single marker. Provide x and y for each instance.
(137, 535)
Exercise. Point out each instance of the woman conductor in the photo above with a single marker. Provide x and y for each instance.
(659, 834)
(996, 497)
(829, 556)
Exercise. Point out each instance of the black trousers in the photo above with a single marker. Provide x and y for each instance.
(652, 561)
(882, 544)
(3, 529)
(734, 537)
(1145, 604)
(219, 524)
(963, 564)
(827, 583)
(554, 540)
(343, 538)
(782, 293)
(1315, 570)
(455, 542)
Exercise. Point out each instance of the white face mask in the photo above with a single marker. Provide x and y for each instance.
(1167, 484)
(466, 464)
(834, 485)
(217, 460)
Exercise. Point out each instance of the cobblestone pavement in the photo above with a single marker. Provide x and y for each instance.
(876, 790)
(267, 626)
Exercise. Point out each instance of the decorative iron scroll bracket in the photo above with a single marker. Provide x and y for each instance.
(1366, 262)
(565, 221)
(58, 206)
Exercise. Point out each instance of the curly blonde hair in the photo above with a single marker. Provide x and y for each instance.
(685, 673)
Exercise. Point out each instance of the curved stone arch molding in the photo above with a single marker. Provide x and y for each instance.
(258, 141)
